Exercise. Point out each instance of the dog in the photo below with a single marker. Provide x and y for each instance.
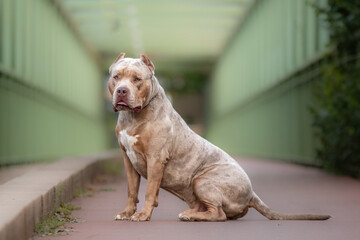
(159, 146)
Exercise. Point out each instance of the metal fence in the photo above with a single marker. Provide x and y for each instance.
(261, 87)
(50, 86)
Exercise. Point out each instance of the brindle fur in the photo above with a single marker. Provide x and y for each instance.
(159, 146)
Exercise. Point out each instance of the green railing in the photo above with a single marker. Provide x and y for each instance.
(261, 87)
(51, 101)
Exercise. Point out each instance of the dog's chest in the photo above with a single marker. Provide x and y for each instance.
(128, 142)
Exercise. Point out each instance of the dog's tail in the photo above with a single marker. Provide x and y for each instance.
(267, 212)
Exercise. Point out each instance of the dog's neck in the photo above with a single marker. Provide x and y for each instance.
(155, 88)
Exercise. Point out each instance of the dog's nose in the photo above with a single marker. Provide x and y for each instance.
(122, 91)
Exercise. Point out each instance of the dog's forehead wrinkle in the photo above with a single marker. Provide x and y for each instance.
(131, 62)
(135, 68)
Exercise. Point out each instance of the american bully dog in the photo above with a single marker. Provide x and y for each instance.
(159, 146)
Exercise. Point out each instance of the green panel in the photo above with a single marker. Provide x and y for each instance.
(51, 101)
(275, 125)
(261, 87)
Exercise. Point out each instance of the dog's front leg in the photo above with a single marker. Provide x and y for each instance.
(155, 171)
(133, 181)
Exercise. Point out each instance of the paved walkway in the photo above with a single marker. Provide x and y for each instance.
(284, 187)
(11, 172)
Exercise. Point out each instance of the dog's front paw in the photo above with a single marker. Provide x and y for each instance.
(140, 217)
(125, 215)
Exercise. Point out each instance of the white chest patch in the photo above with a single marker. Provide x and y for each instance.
(128, 141)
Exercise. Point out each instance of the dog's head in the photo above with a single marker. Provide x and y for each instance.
(131, 83)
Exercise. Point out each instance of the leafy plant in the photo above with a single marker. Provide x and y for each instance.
(54, 224)
(337, 94)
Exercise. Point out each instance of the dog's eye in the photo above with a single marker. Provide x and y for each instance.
(116, 77)
(137, 79)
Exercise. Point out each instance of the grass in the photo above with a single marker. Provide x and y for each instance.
(107, 189)
(89, 192)
(86, 192)
(55, 223)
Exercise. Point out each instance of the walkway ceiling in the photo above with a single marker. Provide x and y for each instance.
(185, 35)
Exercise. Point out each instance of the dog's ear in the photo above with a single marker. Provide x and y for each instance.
(148, 63)
(121, 56)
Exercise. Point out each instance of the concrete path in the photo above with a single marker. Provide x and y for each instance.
(284, 187)
(11, 172)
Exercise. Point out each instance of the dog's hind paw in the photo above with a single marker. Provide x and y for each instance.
(184, 218)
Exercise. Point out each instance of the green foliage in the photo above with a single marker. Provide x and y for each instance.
(83, 193)
(48, 226)
(54, 223)
(337, 94)
(343, 22)
(189, 82)
(337, 119)
(108, 189)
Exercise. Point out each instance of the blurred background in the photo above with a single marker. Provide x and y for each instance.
(259, 78)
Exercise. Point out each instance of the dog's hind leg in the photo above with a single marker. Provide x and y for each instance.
(210, 200)
(240, 215)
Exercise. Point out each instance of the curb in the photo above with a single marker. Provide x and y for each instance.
(26, 199)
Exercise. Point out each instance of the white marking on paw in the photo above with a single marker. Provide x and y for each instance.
(118, 217)
(183, 217)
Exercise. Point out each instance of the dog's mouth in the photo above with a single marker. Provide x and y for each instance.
(123, 106)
